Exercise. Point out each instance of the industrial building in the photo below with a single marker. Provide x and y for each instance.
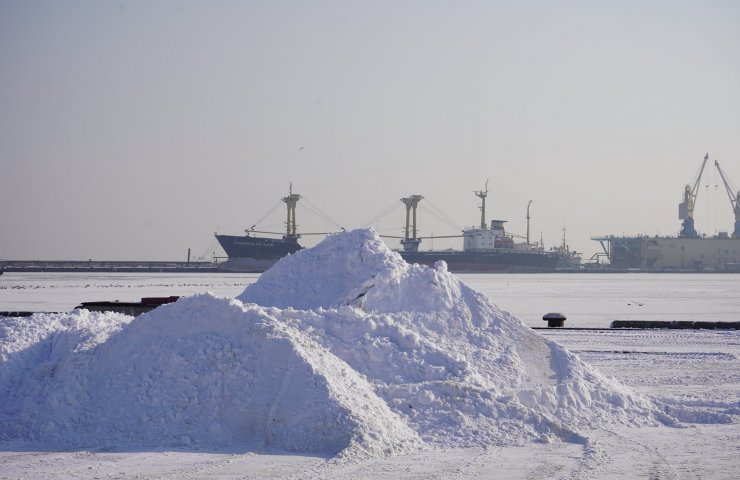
(687, 252)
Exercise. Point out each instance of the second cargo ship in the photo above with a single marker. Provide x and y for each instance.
(485, 249)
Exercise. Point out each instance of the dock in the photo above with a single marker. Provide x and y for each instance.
(129, 266)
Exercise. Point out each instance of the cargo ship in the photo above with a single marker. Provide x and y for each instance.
(250, 253)
(687, 252)
(485, 249)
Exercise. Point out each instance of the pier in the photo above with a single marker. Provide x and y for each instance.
(128, 266)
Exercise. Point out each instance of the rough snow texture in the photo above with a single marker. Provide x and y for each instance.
(204, 372)
(340, 349)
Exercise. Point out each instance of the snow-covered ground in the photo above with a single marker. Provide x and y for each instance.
(587, 299)
(61, 292)
(595, 299)
(345, 363)
(702, 367)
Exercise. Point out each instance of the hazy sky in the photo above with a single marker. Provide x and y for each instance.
(135, 130)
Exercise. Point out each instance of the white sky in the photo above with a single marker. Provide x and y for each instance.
(135, 130)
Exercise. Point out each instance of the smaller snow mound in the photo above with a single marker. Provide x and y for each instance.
(357, 269)
(337, 271)
(460, 370)
(473, 387)
(415, 289)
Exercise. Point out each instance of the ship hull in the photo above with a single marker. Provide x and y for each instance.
(499, 261)
(257, 254)
(257, 247)
(254, 254)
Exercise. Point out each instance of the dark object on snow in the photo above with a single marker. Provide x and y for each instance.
(554, 319)
(17, 314)
(128, 308)
(676, 324)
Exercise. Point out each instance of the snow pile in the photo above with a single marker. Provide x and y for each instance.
(204, 372)
(343, 348)
(460, 370)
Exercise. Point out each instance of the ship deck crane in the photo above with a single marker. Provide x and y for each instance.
(411, 242)
(734, 200)
(290, 201)
(686, 208)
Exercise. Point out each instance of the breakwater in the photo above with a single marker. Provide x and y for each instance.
(127, 266)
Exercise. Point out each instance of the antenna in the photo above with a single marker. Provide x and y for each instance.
(482, 195)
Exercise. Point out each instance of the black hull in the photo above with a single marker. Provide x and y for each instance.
(259, 248)
(254, 254)
(486, 262)
(257, 254)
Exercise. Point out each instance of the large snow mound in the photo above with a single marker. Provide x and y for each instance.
(204, 372)
(340, 349)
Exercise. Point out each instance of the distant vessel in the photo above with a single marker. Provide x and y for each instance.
(688, 251)
(568, 260)
(248, 253)
(485, 250)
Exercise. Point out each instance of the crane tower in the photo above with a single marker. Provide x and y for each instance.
(734, 200)
(686, 208)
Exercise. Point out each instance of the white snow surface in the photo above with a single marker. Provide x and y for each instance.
(343, 349)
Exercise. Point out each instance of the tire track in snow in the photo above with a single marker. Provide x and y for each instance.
(613, 448)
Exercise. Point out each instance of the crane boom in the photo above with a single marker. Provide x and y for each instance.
(686, 209)
(695, 190)
(734, 200)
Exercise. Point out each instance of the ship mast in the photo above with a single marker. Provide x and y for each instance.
(482, 195)
(565, 246)
(528, 217)
(290, 201)
(411, 243)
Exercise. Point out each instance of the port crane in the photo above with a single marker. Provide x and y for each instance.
(686, 208)
(734, 200)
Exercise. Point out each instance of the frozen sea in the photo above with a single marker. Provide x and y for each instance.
(587, 300)
(700, 368)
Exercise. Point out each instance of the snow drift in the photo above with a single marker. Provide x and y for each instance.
(461, 371)
(206, 373)
(342, 348)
